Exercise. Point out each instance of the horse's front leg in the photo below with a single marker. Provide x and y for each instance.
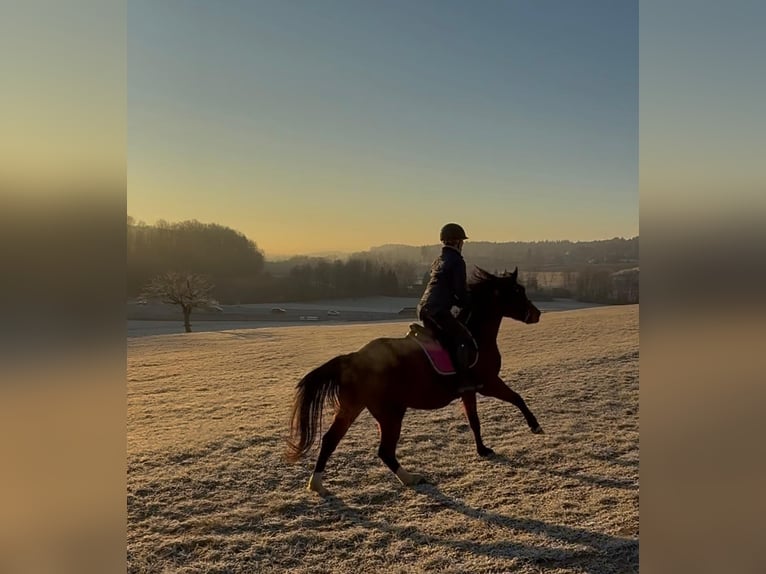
(469, 404)
(498, 389)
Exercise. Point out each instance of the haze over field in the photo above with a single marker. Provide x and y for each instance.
(209, 489)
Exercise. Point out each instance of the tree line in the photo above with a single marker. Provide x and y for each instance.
(236, 267)
(232, 261)
(240, 273)
(590, 283)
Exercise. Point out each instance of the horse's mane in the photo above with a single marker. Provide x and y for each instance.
(481, 279)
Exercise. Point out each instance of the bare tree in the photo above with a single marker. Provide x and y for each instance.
(188, 290)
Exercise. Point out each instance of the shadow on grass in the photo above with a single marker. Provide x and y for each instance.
(368, 521)
(621, 483)
(597, 552)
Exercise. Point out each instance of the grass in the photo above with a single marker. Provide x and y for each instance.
(209, 489)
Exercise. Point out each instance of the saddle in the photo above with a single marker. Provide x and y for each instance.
(437, 355)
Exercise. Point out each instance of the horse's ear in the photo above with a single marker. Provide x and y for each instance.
(515, 274)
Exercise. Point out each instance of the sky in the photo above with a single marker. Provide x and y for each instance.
(341, 125)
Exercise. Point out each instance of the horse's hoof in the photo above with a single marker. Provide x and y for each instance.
(321, 491)
(486, 451)
(418, 479)
(538, 430)
(315, 485)
(409, 479)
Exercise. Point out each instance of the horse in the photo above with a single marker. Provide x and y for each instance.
(390, 375)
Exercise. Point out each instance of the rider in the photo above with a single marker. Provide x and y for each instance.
(447, 288)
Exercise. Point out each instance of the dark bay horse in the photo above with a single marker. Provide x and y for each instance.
(389, 375)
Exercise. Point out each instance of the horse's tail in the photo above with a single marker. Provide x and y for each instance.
(320, 386)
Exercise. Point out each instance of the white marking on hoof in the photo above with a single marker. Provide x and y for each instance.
(409, 479)
(315, 484)
(538, 430)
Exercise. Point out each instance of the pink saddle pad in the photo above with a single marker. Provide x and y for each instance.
(437, 355)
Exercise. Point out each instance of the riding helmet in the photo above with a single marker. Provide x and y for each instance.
(452, 232)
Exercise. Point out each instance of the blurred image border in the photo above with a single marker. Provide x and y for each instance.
(702, 254)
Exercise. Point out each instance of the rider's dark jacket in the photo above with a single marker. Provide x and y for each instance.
(447, 285)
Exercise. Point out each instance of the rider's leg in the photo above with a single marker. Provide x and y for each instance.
(459, 343)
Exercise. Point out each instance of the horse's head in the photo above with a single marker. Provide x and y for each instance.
(505, 294)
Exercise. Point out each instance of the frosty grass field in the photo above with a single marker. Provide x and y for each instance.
(209, 489)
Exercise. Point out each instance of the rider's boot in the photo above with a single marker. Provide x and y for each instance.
(466, 381)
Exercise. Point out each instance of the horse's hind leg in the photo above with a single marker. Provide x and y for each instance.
(390, 429)
(469, 404)
(343, 419)
(498, 389)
